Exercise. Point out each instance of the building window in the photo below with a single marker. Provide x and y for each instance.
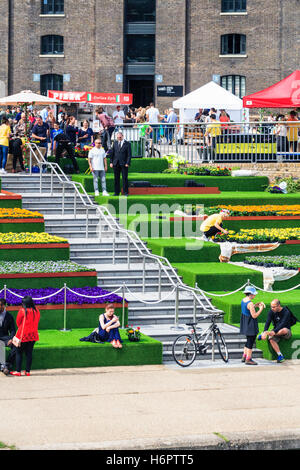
(233, 6)
(52, 7)
(51, 81)
(52, 44)
(141, 48)
(236, 84)
(140, 11)
(233, 44)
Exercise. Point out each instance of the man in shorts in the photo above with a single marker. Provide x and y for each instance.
(214, 224)
(282, 319)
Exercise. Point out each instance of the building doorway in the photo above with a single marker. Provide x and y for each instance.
(142, 89)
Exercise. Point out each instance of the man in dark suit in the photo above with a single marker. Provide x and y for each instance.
(7, 332)
(120, 157)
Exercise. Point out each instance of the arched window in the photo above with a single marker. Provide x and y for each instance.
(233, 6)
(233, 44)
(52, 7)
(52, 44)
(51, 81)
(236, 84)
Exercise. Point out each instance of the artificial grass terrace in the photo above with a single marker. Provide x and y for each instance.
(224, 183)
(57, 349)
(184, 250)
(80, 317)
(217, 276)
(151, 226)
(155, 204)
(138, 165)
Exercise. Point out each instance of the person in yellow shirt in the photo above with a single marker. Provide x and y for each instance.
(293, 131)
(5, 133)
(213, 225)
(213, 129)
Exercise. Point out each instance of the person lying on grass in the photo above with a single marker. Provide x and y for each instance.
(214, 225)
(108, 329)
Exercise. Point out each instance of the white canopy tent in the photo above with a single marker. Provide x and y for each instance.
(209, 96)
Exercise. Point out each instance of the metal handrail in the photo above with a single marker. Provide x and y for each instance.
(131, 235)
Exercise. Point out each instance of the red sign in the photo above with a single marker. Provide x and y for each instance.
(68, 96)
(87, 97)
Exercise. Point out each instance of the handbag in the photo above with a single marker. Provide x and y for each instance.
(16, 341)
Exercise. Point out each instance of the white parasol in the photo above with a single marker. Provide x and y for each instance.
(28, 97)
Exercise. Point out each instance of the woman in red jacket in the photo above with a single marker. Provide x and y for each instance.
(27, 322)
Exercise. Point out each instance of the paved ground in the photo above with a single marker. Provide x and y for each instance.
(150, 406)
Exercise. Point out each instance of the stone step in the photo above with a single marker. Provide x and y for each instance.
(233, 354)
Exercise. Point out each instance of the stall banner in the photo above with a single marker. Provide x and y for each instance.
(88, 97)
(244, 147)
(68, 96)
(110, 98)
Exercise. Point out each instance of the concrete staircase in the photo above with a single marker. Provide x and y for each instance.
(156, 318)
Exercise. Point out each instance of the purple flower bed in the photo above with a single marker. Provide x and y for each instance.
(59, 298)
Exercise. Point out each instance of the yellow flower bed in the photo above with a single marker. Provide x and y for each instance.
(261, 235)
(29, 238)
(268, 209)
(17, 213)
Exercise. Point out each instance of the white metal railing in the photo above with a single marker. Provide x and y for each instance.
(133, 239)
(201, 142)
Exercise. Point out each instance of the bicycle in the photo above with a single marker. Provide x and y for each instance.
(186, 346)
(150, 150)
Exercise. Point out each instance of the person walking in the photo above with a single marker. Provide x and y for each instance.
(71, 130)
(98, 166)
(120, 157)
(60, 143)
(5, 133)
(16, 148)
(27, 322)
(248, 323)
(7, 332)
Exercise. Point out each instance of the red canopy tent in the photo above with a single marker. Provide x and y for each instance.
(284, 94)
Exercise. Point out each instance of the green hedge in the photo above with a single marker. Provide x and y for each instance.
(22, 227)
(35, 254)
(58, 349)
(138, 165)
(76, 318)
(10, 203)
(217, 276)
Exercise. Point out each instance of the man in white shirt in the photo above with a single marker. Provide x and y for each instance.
(153, 117)
(118, 116)
(98, 166)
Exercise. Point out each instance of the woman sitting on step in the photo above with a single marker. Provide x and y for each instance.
(108, 329)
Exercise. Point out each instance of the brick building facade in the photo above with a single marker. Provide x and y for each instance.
(148, 43)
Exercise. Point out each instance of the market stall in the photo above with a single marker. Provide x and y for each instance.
(284, 94)
(209, 96)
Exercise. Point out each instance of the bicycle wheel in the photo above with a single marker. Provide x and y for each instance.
(222, 347)
(184, 350)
